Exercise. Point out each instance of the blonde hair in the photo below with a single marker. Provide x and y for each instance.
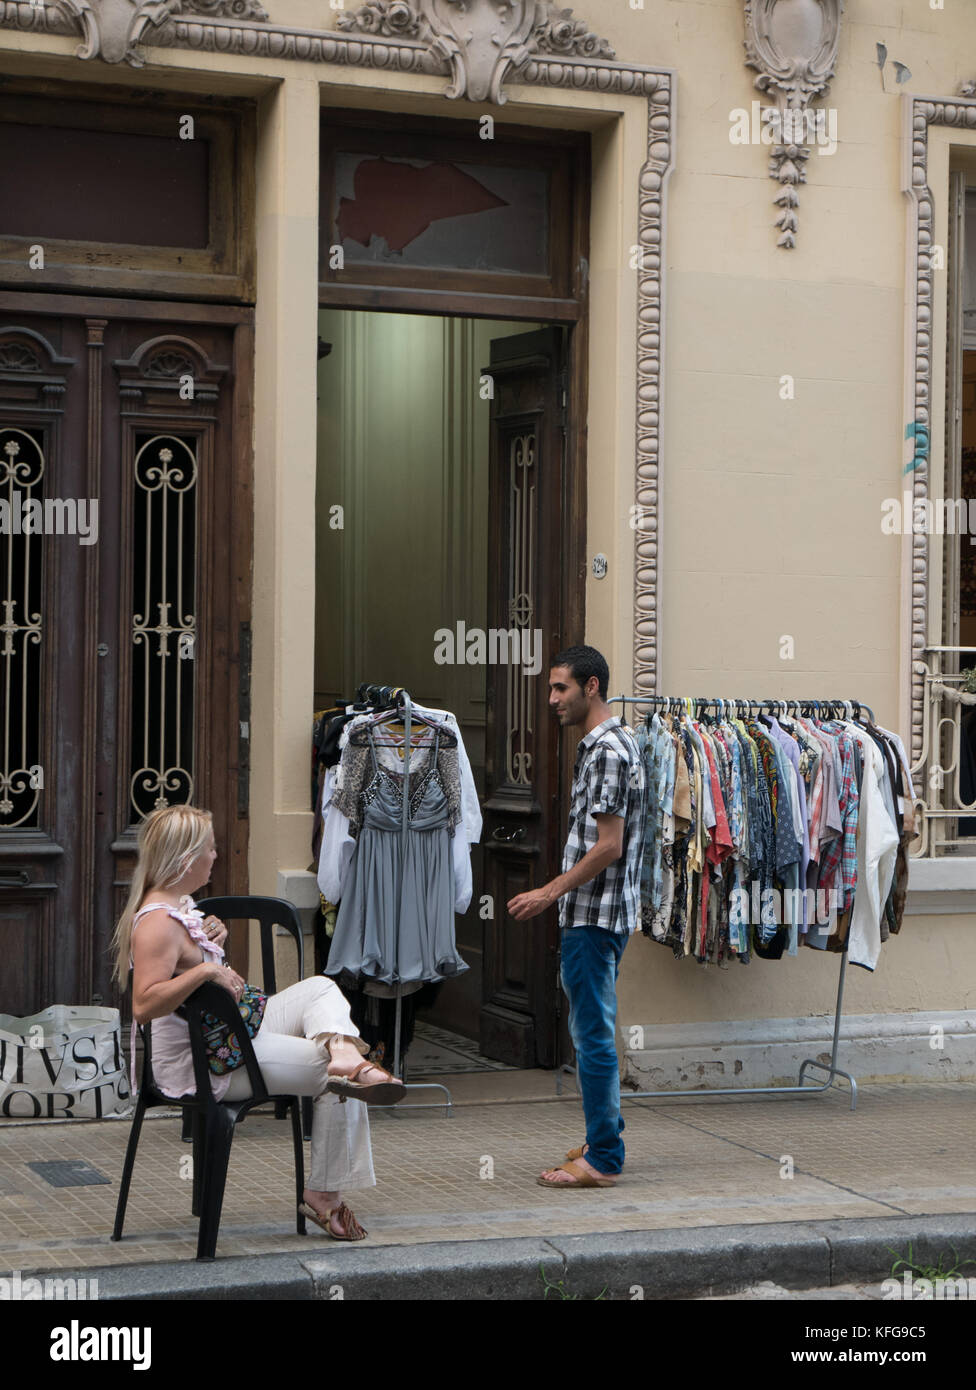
(169, 841)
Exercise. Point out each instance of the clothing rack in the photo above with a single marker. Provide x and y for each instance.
(696, 705)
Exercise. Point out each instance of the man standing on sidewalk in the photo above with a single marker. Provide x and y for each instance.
(599, 902)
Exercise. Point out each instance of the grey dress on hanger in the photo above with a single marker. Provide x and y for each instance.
(396, 920)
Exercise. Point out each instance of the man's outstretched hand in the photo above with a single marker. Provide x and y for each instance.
(525, 905)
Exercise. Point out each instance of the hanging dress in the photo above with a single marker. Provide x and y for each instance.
(396, 919)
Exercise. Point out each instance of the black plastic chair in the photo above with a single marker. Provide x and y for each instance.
(268, 913)
(213, 1121)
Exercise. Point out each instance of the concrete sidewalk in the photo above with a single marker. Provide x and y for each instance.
(719, 1194)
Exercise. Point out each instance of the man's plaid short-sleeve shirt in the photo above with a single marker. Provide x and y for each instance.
(608, 779)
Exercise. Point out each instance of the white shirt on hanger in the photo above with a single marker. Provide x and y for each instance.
(877, 847)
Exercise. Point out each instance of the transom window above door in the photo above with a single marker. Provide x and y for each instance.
(438, 207)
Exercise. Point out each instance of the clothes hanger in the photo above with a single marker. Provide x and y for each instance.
(392, 715)
(394, 719)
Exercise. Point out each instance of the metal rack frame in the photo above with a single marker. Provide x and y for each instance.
(832, 1069)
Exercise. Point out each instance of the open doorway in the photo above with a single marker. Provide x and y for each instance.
(441, 509)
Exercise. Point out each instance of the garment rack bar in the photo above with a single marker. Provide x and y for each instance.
(832, 1070)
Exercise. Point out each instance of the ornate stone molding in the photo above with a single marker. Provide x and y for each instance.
(388, 19)
(654, 177)
(479, 43)
(112, 28)
(793, 45)
(39, 18)
(482, 41)
(923, 112)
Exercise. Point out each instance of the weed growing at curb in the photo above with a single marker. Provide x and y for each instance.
(560, 1288)
(930, 1272)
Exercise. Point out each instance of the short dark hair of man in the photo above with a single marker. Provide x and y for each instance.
(584, 662)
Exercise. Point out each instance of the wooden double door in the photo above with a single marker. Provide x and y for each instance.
(125, 493)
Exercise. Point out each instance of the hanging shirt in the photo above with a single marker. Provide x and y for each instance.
(798, 913)
(657, 751)
(841, 855)
(720, 845)
(877, 844)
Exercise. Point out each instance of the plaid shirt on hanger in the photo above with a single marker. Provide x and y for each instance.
(842, 851)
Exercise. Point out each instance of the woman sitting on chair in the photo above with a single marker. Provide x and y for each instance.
(306, 1045)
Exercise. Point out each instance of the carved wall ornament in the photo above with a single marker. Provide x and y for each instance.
(167, 363)
(482, 41)
(18, 357)
(388, 18)
(30, 355)
(112, 28)
(558, 32)
(162, 365)
(793, 45)
(479, 43)
(221, 9)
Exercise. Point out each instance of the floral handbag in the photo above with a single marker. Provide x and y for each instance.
(223, 1050)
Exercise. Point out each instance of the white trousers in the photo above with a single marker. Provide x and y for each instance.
(292, 1064)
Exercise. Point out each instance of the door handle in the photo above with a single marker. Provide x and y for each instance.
(508, 836)
(14, 878)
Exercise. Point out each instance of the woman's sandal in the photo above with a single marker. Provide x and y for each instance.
(386, 1092)
(578, 1152)
(342, 1214)
(581, 1178)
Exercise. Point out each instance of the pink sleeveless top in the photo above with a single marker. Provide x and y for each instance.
(172, 1062)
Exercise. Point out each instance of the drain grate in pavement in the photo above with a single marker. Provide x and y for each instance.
(69, 1172)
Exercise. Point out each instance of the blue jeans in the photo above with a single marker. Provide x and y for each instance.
(590, 966)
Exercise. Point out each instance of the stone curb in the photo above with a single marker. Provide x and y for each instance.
(661, 1264)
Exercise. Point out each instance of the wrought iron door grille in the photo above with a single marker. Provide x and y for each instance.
(22, 466)
(522, 548)
(164, 629)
